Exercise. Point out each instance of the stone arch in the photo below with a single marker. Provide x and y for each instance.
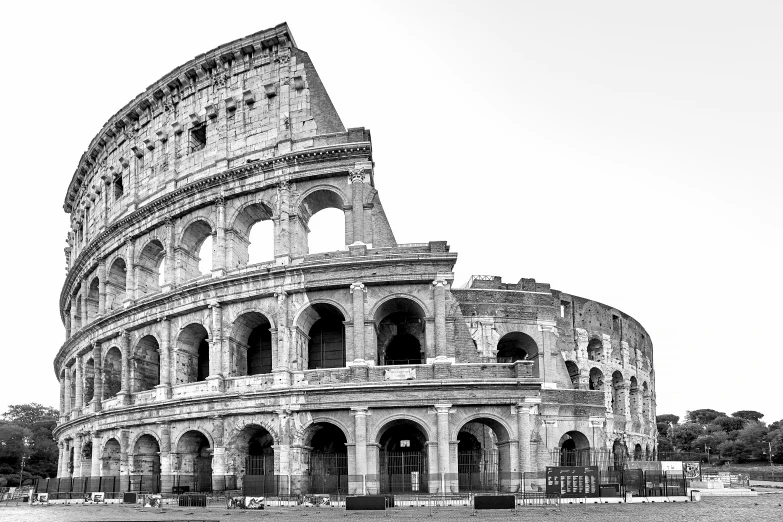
(403, 462)
(386, 422)
(194, 233)
(251, 450)
(595, 349)
(574, 449)
(184, 430)
(517, 346)
(146, 363)
(110, 457)
(301, 433)
(573, 373)
(234, 432)
(320, 339)
(150, 266)
(633, 391)
(193, 355)
(112, 372)
(498, 424)
(304, 321)
(400, 323)
(143, 432)
(145, 452)
(380, 302)
(251, 343)
(646, 401)
(618, 393)
(596, 382)
(193, 450)
(313, 201)
(93, 298)
(241, 222)
(115, 284)
(325, 449)
(89, 380)
(78, 313)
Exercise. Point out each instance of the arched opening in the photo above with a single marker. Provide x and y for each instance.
(482, 455)
(92, 299)
(403, 458)
(251, 344)
(89, 381)
(516, 346)
(115, 285)
(618, 395)
(194, 461)
(147, 364)
(326, 458)
(326, 231)
(195, 251)
(112, 372)
(645, 401)
(573, 373)
(633, 391)
(574, 449)
(146, 458)
(596, 379)
(192, 354)
(619, 454)
(76, 302)
(253, 450)
(150, 268)
(595, 349)
(400, 332)
(110, 458)
(251, 238)
(326, 344)
(62, 393)
(638, 452)
(85, 463)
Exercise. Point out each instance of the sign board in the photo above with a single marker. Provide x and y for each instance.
(399, 374)
(692, 470)
(572, 481)
(671, 465)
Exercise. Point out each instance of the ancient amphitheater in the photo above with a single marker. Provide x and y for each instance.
(361, 369)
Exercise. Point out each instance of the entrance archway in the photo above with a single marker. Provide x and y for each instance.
(110, 458)
(146, 364)
(403, 458)
(253, 450)
(193, 354)
(326, 457)
(251, 344)
(574, 449)
(194, 457)
(483, 454)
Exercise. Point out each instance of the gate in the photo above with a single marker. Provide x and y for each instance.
(478, 470)
(263, 464)
(404, 472)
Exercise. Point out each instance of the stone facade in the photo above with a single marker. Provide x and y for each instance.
(352, 358)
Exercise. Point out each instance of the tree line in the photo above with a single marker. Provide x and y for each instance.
(26, 433)
(739, 437)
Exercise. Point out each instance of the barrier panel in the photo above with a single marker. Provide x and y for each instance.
(366, 502)
(494, 502)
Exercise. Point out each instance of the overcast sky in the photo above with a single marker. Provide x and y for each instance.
(626, 152)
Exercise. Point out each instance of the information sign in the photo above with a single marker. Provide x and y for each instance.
(572, 481)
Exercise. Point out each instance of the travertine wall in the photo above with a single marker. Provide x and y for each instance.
(169, 371)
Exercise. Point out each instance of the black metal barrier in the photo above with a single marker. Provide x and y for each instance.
(366, 502)
(494, 502)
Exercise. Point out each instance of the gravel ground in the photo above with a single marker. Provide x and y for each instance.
(737, 509)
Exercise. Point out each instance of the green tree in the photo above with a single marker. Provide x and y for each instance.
(665, 422)
(727, 424)
(27, 431)
(683, 435)
(703, 417)
(750, 415)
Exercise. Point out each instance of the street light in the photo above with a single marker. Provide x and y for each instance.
(21, 472)
(707, 449)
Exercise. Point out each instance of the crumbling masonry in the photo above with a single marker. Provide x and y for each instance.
(362, 363)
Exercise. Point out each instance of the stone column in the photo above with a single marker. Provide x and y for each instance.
(165, 448)
(218, 456)
(79, 385)
(67, 408)
(215, 347)
(124, 393)
(281, 353)
(360, 435)
(442, 411)
(358, 290)
(77, 456)
(85, 290)
(165, 359)
(95, 464)
(524, 428)
(60, 459)
(66, 459)
(130, 280)
(219, 248)
(62, 397)
(282, 225)
(102, 286)
(440, 317)
(283, 449)
(125, 463)
(357, 179)
(170, 272)
(97, 387)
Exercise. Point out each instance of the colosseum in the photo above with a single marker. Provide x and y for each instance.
(357, 370)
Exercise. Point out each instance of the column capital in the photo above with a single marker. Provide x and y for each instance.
(213, 303)
(360, 411)
(442, 409)
(220, 201)
(360, 173)
(358, 285)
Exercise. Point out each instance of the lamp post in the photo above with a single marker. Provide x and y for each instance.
(21, 472)
(707, 449)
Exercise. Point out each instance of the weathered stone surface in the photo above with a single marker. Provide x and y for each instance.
(267, 367)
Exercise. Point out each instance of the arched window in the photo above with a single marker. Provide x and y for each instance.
(92, 299)
(251, 342)
(147, 364)
(400, 332)
(193, 354)
(573, 373)
(326, 347)
(595, 349)
(326, 231)
(196, 250)
(251, 238)
(115, 285)
(516, 346)
(596, 379)
(150, 268)
(112, 372)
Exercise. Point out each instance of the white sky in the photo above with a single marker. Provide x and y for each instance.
(626, 152)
